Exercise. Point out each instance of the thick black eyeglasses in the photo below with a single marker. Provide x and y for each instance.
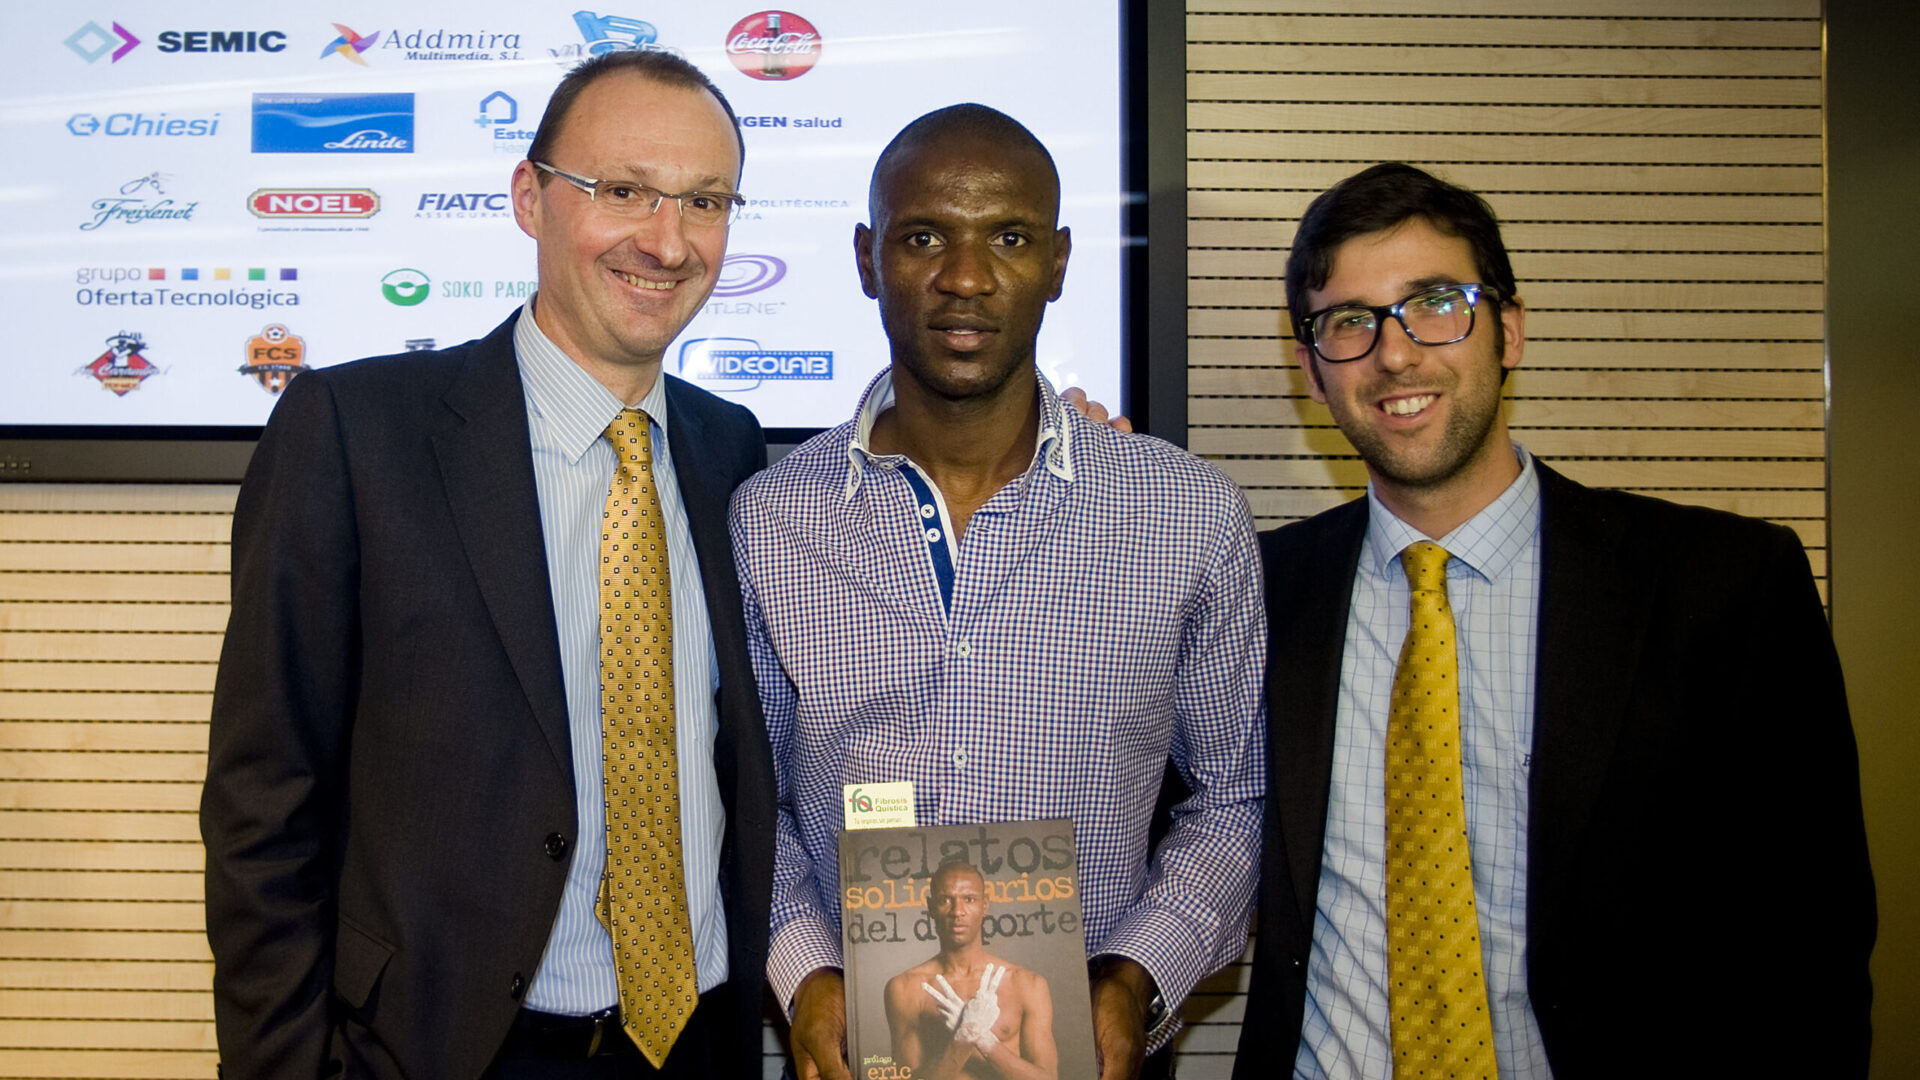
(1441, 315)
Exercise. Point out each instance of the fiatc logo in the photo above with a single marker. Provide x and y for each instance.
(141, 200)
(743, 362)
(274, 356)
(464, 204)
(406, 288)
(90, 42)
(773, 45)
(333, 123)
(124, 366)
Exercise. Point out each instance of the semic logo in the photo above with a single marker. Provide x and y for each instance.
(124, 366)
(314, 203)
(773, 45)
(222, 41)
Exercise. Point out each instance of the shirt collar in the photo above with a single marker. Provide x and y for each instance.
(572, 404)
(1486, 543)
(1053, 446)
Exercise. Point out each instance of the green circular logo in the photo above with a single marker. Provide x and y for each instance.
(405, 287)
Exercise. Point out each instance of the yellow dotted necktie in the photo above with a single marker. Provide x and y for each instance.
(643, 895)
(1441, 1027)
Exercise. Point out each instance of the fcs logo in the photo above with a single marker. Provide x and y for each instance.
(405, 287)
(90, 43)
(349, 44)
(858, 803)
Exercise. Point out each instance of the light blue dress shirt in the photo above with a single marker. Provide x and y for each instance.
(1493, 585)
(567, 416)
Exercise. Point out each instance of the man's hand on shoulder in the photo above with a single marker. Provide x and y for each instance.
(1122, 990)
(1076, 399)
(820, 1027)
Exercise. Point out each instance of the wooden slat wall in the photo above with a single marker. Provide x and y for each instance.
(1657, 167)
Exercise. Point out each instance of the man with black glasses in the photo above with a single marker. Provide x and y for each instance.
(488, 789)
(1549, 766)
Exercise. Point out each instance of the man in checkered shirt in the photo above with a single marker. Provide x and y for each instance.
(1021, 611)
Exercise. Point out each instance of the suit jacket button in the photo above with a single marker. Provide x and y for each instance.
(556, 846)
(517, 987)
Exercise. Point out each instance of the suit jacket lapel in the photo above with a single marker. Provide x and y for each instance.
(1309, 594)
(705, 492)
(486, 464)
(1592, 629)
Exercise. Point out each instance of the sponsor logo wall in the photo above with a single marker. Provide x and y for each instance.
(245, 195)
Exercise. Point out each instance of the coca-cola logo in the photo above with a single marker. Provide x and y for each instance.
(773, 45)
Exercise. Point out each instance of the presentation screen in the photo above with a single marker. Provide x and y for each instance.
(202, 200)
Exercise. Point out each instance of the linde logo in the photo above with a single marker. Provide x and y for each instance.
(314, 203)
(743, 362)
(333, 123)
(140, 125)
(773, 45)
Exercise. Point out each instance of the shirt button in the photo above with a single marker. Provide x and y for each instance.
(959, 759)
(556, 846)
(963, 650)
(933, 536)
(928, 511)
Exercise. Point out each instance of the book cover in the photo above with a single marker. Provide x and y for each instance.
(964, 953)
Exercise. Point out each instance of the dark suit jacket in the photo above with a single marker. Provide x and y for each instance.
(389, 806)
(1698, 896)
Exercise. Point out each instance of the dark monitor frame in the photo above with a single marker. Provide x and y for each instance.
(1153, 287)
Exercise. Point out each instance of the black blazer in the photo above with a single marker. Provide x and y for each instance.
(389, 808)
(1698, 896)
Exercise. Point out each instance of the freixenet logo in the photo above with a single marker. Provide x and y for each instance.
(124, 366)
(333, 123)
(406, 288)
(141, 200)
(90, 42)
(314, 203)
(273, 357)
(350, 44)
(773, 45)
(744, 274)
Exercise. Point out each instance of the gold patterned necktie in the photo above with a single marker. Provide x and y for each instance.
(1440, 1023)
(643, 894)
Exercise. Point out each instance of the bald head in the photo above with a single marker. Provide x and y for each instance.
(978, 126)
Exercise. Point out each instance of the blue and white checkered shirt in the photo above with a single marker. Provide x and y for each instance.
(1106, 611)
(567, 417)
(1493, 585)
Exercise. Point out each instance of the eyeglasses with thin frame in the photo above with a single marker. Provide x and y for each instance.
(1440, 315)
(627, 198)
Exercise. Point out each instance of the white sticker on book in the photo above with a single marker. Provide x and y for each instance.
(879, 806)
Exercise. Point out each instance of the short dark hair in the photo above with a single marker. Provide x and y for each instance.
(666, 68)
(1380, 198)
(966, 119)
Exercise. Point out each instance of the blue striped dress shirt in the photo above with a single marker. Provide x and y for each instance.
(567, 414)
(1493, 585)
(1105, 614)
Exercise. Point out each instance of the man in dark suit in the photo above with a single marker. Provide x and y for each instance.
(1663, 868)
(405, 808)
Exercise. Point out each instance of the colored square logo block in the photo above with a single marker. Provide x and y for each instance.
(221, 273)
(190, 274)
(156, 274)
(288, 273)
(258, 273)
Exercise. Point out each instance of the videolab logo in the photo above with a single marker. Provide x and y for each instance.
(124, 366)
(405, 287)
(274, 356)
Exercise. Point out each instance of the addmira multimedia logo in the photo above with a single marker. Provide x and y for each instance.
(333, 123)
(124, 366)
(349, 44)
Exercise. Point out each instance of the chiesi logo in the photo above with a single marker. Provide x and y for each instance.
(124, 366)
(773, 45)
(406, 287)
(274, 356)
(141, 200)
